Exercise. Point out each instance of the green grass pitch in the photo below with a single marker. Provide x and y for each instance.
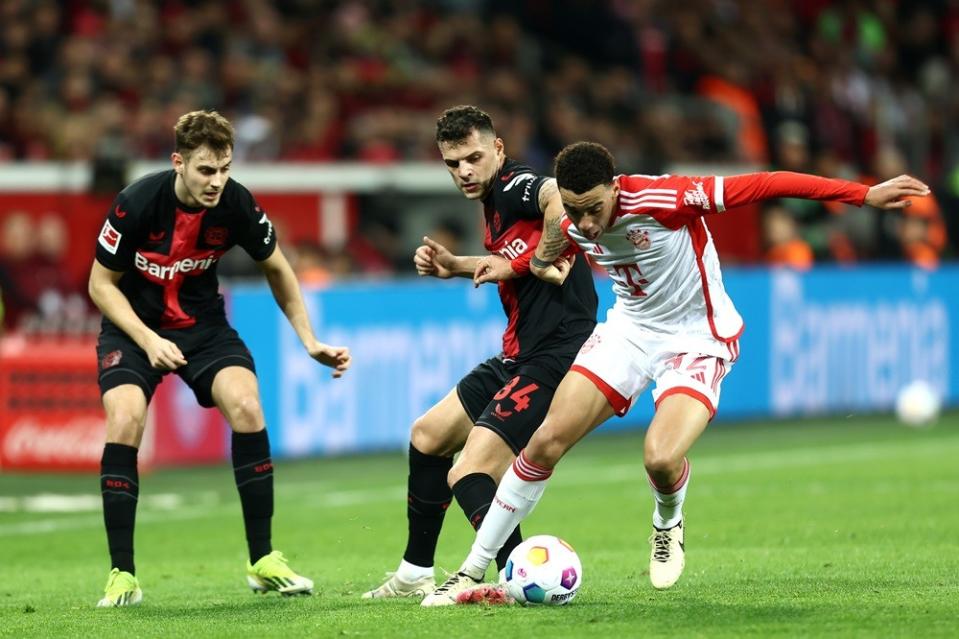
(833, 527)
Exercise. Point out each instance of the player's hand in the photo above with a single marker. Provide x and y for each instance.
(432, 258)
(336, 357)
(493, 268)
(557, 272)
(890, 194)
(163, 354)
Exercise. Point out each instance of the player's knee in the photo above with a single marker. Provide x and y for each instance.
(546, 447)
(245, 413)
(660, 461)
(428, 438)
(124, 426)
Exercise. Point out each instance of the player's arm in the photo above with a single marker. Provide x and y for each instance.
(286, 292)
(553, 257)
(738, 190)
(545, 263)
(105, 292)
(434, 259)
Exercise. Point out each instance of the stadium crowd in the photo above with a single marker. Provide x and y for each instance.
(861, 89)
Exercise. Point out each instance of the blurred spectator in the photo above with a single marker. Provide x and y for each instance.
(16, 265)
(311, 265)
(784, 245)
(59, 300)
(922, 233)
(786, 84)
(450, 233)
(39, 292)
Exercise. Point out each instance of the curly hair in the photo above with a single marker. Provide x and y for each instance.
(456, 123)
(581, 166)
(203, 128)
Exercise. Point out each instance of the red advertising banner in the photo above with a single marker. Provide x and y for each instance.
(51, 418)
(183, 432)
(50, 412)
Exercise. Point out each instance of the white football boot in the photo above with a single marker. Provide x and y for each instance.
(396, 587)
(667, 557)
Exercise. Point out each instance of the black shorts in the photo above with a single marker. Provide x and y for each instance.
(508, 399)
(208, 348)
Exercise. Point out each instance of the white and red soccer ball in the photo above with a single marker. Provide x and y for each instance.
(543, 570)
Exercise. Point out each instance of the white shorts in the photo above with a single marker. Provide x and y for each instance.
(622, 359)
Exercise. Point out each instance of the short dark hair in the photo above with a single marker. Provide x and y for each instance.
(581, 166)
(199, 128)
(456, 124)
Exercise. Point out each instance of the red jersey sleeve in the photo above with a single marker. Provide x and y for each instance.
(675, 200)
(738, 190)
(520, 265)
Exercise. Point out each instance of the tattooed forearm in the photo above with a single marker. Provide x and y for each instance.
(553, 242)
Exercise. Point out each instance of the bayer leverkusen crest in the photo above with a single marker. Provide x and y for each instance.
(215, 235)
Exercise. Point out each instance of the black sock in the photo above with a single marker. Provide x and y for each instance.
(428, 496)
(120, 489)
(474, 493)
(253, 471)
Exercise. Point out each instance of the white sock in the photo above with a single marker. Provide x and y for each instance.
(518, 493)
(411, 572)
(669, 504)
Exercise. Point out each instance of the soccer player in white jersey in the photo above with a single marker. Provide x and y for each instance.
(672, 324)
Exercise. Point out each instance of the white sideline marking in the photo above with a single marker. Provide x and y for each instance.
(164, 507)
(57, 503)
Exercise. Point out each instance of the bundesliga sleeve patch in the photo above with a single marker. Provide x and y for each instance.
(110, 238)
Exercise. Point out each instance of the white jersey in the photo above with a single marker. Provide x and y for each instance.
(660, 256)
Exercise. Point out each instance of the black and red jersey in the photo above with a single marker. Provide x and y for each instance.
(545, 321)
(169, 252)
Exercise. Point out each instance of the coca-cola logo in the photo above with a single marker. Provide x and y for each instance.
(78, 440)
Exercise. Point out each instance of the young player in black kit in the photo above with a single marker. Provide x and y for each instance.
(507, 395)
(154, 279)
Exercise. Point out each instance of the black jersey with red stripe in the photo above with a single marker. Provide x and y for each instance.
(545, 322)
(169, 252)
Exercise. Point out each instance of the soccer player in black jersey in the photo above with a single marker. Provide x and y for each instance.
(154, 279)
(506, 396)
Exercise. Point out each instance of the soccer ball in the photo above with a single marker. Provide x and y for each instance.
(543, 570)
(917, 404)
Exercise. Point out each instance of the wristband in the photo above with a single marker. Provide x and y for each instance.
(538, 263)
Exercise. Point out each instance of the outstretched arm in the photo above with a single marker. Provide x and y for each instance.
(434, 259)
(286, 292)
(738, 190)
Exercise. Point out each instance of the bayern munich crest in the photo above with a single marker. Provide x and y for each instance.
(639, 237)
(590, 343)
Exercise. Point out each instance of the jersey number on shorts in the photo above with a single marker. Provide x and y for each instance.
(520, 397)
